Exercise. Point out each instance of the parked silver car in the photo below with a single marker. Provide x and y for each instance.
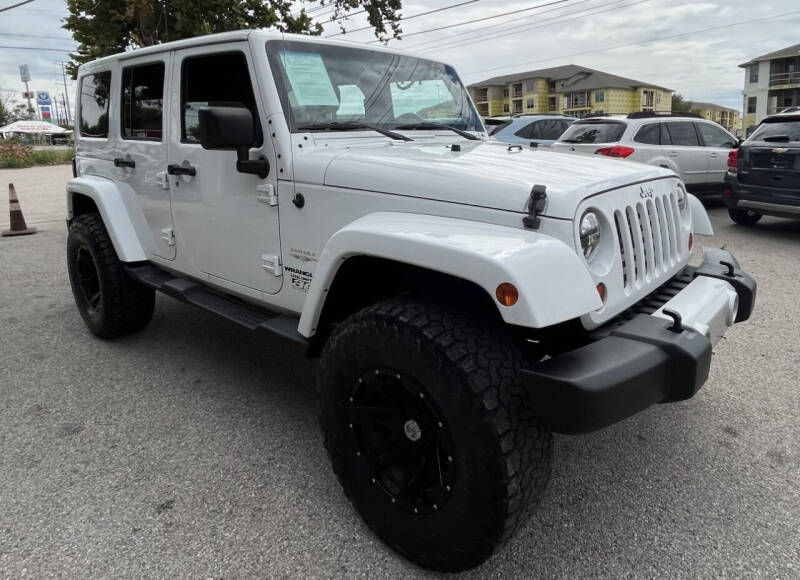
(524, 129)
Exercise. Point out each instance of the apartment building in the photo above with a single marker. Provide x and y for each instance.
(771, 84)
(725, 116)
(571, 89)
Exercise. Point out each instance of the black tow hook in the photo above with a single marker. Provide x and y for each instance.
(677, 321)
(731, 273)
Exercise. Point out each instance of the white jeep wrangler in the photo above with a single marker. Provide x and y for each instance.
(465, 297)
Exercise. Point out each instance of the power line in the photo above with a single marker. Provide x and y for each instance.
(36, 36)
(493, 27)
(447, 45)
(37, 48)
(16, 5)
(485, 18)
(628, 44)
(442, 9)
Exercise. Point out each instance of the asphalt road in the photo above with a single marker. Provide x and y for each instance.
(192, 450)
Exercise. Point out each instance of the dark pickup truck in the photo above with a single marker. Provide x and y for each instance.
(764, 172)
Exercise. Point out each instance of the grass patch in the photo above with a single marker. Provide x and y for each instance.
(14, 154)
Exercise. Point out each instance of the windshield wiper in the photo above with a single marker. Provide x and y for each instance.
(778, 138)
(336, 126)
(436, 125)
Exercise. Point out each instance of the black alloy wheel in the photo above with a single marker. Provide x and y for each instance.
(403, 438)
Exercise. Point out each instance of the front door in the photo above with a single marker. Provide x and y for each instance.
(682, 146)
(226, 221)
(717, 143)
(142, 146)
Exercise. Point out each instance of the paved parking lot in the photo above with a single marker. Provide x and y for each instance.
(192, 450)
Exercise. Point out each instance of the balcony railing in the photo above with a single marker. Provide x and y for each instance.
(517, 95)
(787, 78)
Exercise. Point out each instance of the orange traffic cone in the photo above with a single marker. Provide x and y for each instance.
(18, 225)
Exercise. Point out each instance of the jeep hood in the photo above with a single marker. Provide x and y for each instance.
(486, 174)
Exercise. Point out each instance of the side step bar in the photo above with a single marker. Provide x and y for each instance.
(247, 315)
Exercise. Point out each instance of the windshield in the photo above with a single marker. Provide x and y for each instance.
(321, 84)
(789, 129)
(593, 132)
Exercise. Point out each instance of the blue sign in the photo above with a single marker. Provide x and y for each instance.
(42, 98)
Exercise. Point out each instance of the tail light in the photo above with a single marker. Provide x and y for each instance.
(616, 151)
(733, 161)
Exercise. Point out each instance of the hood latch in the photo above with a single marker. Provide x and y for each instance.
(536, 205)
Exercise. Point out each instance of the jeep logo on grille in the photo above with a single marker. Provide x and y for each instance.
(645, 192)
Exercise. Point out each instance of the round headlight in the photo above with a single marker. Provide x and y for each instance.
(590, 234)
(682, 198)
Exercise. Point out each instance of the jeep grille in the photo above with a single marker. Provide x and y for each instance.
(649, 238)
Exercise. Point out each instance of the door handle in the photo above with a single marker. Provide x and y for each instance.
(119, 162)
(713, 155)
(673, 154)
(180, 170)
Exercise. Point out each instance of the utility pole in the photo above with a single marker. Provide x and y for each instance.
(66, 97)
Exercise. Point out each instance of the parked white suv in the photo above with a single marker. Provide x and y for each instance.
(695, 148)
(465, 298)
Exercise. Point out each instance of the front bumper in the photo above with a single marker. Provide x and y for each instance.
(649, 358)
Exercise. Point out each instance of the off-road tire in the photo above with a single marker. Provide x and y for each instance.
(124, 305)
(470, 369)
(744, 217)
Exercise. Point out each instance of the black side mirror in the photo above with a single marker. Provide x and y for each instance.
(231, 128)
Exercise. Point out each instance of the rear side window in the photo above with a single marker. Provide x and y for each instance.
(494, 127)
(549, 129)
(143, 102)
(215, 79)
(95, 96)
(715, 137)
(594, 132)
(649, 134)
(783, 131)
(683, 134)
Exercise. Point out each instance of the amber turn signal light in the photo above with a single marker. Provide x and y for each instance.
(507, 294)
(601, 290)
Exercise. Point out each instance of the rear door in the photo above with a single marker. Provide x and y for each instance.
(682, 144)
(142, 146)
(717, 143)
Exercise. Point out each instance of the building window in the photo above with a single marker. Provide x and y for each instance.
(658, 98)
(95, 93)
(505, 92)
(505, 107)
(753, 68)
(529, 86)
(530, 103)
(751, 104)
(648, 98)
(517, 106)
(599, 97)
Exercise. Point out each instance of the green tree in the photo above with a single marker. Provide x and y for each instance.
(680, 104)
(104, 28)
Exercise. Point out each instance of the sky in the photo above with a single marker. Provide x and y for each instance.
(690, 47)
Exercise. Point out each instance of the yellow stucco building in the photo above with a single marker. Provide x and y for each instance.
(725, 116)
(572, 90)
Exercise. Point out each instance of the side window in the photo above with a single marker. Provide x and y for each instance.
(525, 132)
(683, 134)
(550, 129)
(143, 102)
(217, 78)
(649, 134)
(715, 137)
(95, 96)
(665, 138)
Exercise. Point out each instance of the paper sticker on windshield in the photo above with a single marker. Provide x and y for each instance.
(309, 79)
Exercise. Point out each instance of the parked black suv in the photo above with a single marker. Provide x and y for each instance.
(764, 173)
